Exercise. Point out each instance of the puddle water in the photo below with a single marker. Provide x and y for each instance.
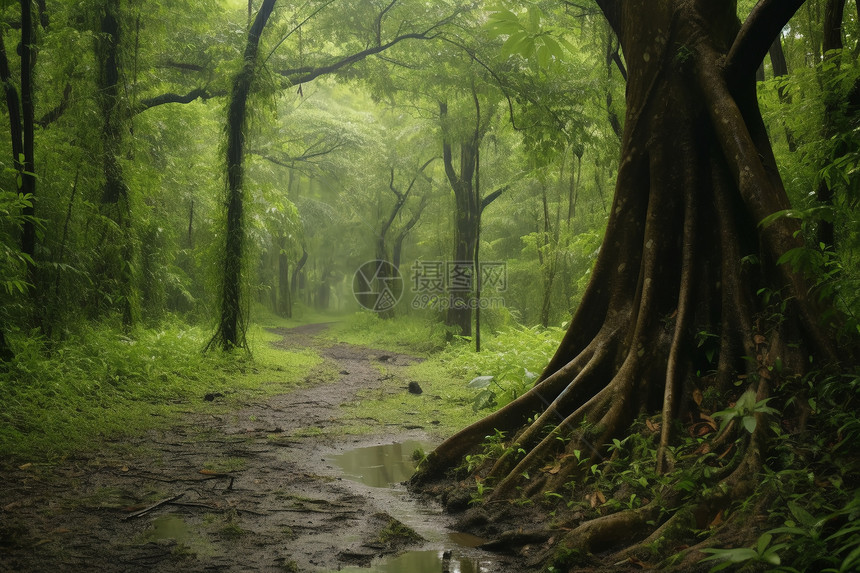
(175, 528)
(380, 466)
(169, 527)
(425, 562)
(383, 467)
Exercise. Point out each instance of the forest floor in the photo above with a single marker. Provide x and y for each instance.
(249, 488)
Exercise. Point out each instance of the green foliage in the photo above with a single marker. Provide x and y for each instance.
(745, 410)
(101, 384)
(409, 333)
(13, 262)
(764, 552)
(526, 35)
(507, 365)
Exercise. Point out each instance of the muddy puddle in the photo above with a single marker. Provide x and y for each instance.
(386, 467)
(383, 465)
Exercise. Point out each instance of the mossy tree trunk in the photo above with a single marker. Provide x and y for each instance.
(121, 252)
(696, 177)
(231, 326)
(466, 219)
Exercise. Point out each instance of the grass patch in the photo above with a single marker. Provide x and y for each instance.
(102, 384)
(414, 334)
(444, 406)
(513, 358)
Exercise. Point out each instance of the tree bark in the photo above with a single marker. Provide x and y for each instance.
(116, 202)
(832, 47)
(231, 327)
(285, 301)
(466, 220)
(6, 354)
(28, 175)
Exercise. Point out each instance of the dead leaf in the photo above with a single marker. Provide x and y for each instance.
(208, 472)
(131, 508)
(703, 429)
(759, 339)
(652, 425)
(123, 469)
(703, 449)
(596, 498)
(26, 466)
(697, 397)
(718, 519)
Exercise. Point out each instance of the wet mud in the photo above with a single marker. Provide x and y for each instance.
(259, 488)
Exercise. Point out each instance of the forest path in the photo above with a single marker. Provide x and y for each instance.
(250, 489)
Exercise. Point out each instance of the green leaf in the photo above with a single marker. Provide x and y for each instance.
(749, 423)
(480, 382)
(801, 515)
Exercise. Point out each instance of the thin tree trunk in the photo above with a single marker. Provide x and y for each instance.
(28, 184)
(780, 70)
(116, 201)
(231, 328)
(285, 302)
(300, 265)
(461, 271)
(825, 194)
(6, 354)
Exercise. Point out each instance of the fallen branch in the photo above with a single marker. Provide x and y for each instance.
(155, 505)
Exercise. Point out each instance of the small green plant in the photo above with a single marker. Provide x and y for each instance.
(481, 489)
(745, 410)
(763, 552)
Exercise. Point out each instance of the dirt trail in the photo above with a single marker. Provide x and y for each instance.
(272, 502)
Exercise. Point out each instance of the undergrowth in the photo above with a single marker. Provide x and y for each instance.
(506, 366)
(102, 384)
(418, 335)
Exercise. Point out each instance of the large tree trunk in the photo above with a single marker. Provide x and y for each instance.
(696, 177)
(231, 326)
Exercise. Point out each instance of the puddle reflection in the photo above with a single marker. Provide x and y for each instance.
(424, 562)
(380, 466)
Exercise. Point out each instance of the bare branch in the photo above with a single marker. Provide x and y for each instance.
(182, 66)
(196, 93)
(485, 202)
(305, 74)
(55, 113)
(756, 35)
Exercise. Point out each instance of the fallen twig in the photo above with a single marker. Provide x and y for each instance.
(153, 506)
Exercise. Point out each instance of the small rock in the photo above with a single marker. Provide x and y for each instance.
(344, 372)
(414, 388)
(212, 395)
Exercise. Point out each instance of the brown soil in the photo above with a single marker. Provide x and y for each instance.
(274, 502)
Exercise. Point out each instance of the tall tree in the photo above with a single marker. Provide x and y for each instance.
(231, 327)
(696, 192)
(467, 200)
(116, 198)
(21, 125)
(832, 47)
